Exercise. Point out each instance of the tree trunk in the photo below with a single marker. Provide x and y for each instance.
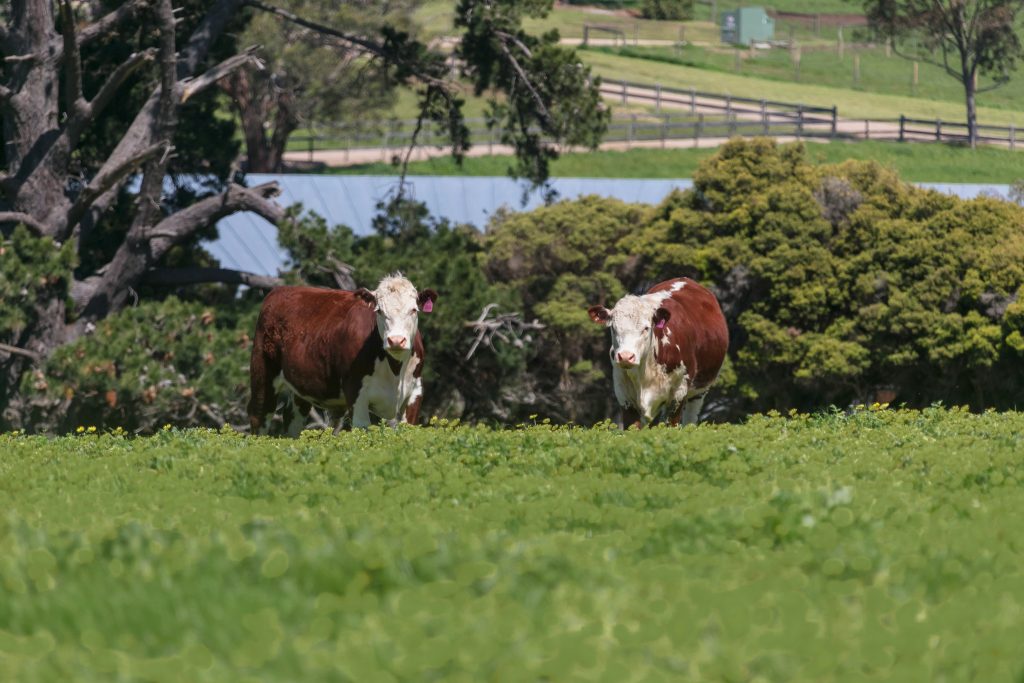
(256, 105)
(972, 112)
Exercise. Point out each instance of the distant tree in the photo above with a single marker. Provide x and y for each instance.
(676, 10)
(307, 76)
(966, 38)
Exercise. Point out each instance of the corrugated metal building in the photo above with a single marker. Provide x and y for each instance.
(249, 243)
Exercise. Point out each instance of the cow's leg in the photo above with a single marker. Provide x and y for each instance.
(691, 409)
(676, 413)
(298, 416)
(361, 412)
(264, 367)
(338, 419)
(412, 411)
(630, 417)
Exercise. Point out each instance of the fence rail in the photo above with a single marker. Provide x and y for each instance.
(679, 115)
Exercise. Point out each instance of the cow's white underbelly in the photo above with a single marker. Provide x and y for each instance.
(649, 388)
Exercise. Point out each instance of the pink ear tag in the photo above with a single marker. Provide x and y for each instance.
(428, 306)
(660, 324)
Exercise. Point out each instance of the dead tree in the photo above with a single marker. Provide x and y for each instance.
(508, 328)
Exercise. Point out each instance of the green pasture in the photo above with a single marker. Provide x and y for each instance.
(851, 103)
(881, 546)
(877, 73)
(915, 162)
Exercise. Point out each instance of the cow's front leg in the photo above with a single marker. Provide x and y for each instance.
(691, 409)
(361, 412)
(630, 417)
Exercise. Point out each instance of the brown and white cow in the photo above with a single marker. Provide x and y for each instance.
(351, 354)
(667, 348)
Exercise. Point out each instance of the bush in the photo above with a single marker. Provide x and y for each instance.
(162, 362)
(676, 10)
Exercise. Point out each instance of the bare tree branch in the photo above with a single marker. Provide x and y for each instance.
(20, 217)
(368, 45)
(17, 350)
(109, 21)
(72, 57)
(210, 210)
(506, 327)
(200, 83)
(538, 100)
(108, 177)
(176, 277)
(5, 94)
(106, 92)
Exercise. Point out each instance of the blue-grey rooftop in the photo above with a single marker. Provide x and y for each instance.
(248, 242)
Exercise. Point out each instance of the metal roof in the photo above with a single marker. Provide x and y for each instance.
(248, 242)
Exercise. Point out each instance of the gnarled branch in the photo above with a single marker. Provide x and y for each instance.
(20, 217)
(17, 350)
(109, 177)
(183, 223)
(202, 82)
(107, 22)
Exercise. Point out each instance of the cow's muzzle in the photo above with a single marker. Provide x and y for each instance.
(396, 343)
(625, 359)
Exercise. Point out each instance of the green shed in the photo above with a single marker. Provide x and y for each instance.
(747, 25)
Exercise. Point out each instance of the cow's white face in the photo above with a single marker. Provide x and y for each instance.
(397, 305)
(632, 322)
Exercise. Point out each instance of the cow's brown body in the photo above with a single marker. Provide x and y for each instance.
(668, 346)
(327, 346)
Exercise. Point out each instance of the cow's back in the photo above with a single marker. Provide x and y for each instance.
(320, 338)
(696, 334)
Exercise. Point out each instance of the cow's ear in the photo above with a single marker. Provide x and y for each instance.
(599, 314)
(661, 317)
(426, 300)
(367, 296)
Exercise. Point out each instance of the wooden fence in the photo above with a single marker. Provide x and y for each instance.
(678, 115)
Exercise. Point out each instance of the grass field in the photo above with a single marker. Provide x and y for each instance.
(915, 162)
(878, 73)
(851, 103)
(879, 546)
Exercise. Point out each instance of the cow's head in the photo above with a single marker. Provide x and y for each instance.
(397, 305)
(635, 323)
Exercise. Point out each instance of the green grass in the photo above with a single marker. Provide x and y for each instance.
(916, 162)
(851, 103)
(882, 546)
(878, 73)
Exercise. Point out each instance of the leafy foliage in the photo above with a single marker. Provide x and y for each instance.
(162, 362)
(549, 92)
(32, 269)
(677, 10)
(870, 546)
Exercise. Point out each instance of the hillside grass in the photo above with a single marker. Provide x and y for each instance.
(885, 545)
(915, 162)
(878, 73)
(851, 103)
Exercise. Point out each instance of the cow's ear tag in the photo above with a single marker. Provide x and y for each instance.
(660, 324)
(428, 306)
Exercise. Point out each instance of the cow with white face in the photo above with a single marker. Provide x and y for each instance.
(355, 355)
(397, 305)
(667, 348)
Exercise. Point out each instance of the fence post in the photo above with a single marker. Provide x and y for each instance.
(310, 146)
(624, 92)
(938, 130)
(697, 129)
(867, 129)
(728, 106)
(1013, 137)
(657, 97)
(629, 138)
(835, 117)
(903, 124)
(693, 100)
(586, 34)
(799, 120)
(764, 117)
(387, 142)
(664, 130)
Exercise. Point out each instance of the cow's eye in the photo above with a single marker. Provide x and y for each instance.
(646, 329)
(413, 311)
